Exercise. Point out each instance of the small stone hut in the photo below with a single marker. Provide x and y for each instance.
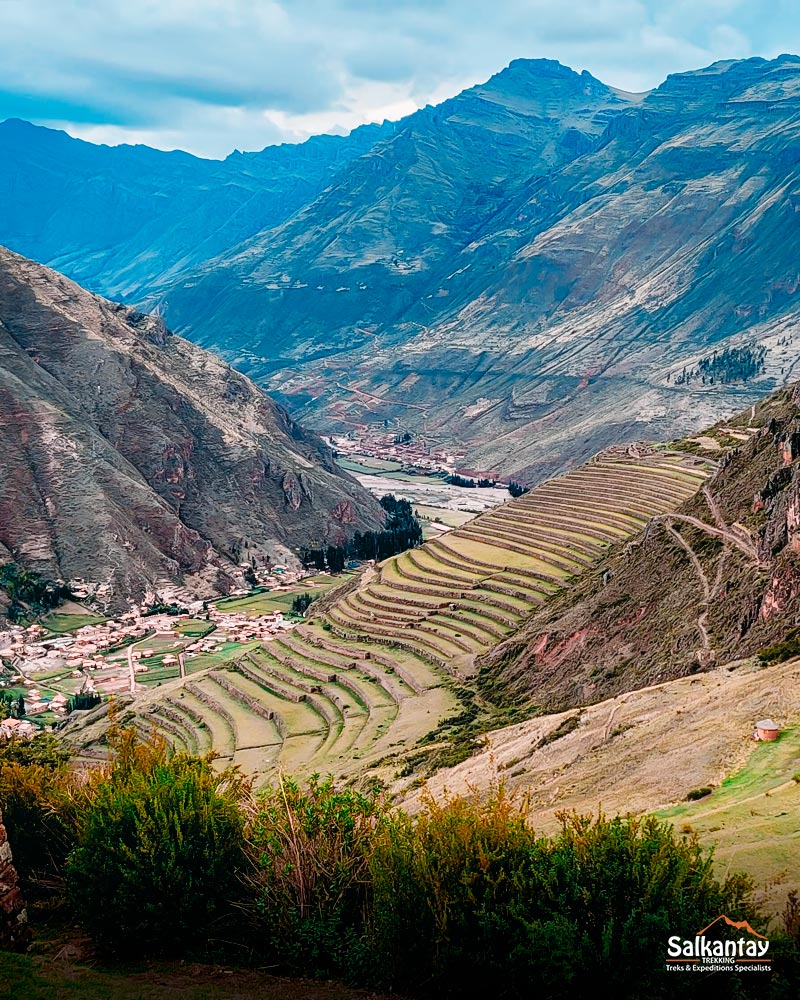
(766, 730)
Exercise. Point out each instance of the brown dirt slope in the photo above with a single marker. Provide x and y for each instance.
(648, 749)
(133, 458)
(716, 580)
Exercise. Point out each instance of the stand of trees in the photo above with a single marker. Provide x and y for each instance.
(300, 603)
(83, 702)
(483, 483)
(28, 591)
(403, 531)
(516, 489)
(734, 364)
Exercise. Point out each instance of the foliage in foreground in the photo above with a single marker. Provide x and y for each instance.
(157, 851)
(162, 853)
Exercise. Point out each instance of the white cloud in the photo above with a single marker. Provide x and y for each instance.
(210, 75)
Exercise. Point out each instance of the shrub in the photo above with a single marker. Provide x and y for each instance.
(159, 850)
(779, 652)
(469, 902)
(699, 793)
(41, 799)
(444, 887)
(310, 849)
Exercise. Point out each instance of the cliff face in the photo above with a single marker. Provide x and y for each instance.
(133, 458)
(14, 930)
(717, 581)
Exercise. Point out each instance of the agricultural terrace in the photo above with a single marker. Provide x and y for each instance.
(359, 683)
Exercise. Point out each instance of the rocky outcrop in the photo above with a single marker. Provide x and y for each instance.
(14, 930)
(135, 459)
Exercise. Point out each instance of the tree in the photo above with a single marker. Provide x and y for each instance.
(335, 557)
(516, 489)
(300, 603)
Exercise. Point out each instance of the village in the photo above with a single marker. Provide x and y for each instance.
(73, 660)
(411, 453)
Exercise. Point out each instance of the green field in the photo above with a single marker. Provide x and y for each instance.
(367, 465)
(452, 518)
(267, 601)
(225, 652)
(751, 818)
(61, 622)
(195, 628)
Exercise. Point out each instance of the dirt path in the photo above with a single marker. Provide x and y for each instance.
(702, 618)
(740, 802)
(740, 538)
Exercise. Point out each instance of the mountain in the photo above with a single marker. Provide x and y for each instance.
(716, 581)
(526, 269)
(122, 220)
(350, 269)
(135, 459)
(552, 313)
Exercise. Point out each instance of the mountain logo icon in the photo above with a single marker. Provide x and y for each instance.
(739, 925)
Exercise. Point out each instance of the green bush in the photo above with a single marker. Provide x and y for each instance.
(41, 799)
(779, 652)
(310, 848)
(467, 900)
(159, 851)
(699, 793)
(444, 887)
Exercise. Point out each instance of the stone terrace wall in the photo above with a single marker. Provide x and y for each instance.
(14, 930)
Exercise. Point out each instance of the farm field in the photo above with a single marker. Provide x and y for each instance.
(281, 600)
(354, 688)
(70, 617)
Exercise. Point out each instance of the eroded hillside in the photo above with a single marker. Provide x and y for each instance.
(134, 459)
(715, 580)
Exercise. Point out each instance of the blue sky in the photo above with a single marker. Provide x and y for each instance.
(213, 75)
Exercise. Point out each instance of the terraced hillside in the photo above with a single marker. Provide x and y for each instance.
(361, 682)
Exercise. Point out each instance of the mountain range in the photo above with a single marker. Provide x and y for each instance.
(135, 459)
(534, 269)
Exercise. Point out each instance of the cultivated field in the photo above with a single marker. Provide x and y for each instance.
(360, 683)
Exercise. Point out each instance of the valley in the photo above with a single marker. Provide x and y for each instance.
(385, 660)
(588, 247)
(456, 456)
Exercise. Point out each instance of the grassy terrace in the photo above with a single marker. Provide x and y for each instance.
(356, 686)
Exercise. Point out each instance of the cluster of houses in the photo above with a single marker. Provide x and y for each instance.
(415, 454)
(105, 657)
(19, 728)
(36, 703)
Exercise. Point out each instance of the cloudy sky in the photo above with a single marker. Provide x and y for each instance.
(213, 75)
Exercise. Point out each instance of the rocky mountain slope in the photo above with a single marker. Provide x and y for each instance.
(122, 220)
(526, 269)
(560, 318)
(136, 459)
(711, 583)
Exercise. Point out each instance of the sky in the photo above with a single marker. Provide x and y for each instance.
(210, 76)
